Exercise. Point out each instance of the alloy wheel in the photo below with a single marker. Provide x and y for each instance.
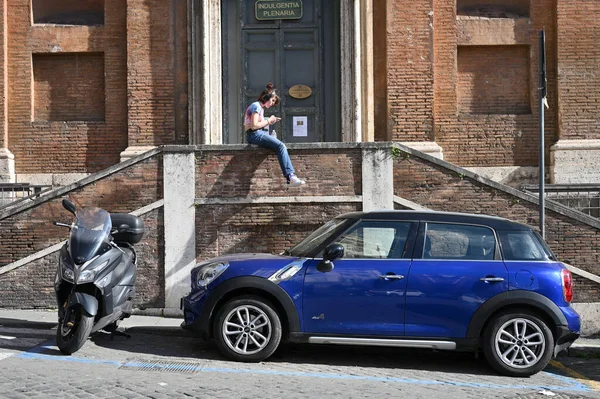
(247, 329)
(520, 343)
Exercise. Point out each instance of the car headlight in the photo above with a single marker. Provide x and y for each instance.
(207, 274)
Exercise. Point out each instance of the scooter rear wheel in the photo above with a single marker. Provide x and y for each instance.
(70, 339)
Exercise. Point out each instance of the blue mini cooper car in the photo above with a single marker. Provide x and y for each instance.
(414, 279)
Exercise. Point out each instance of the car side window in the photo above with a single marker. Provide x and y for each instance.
(458, 241)
(375, 240)
(522, 245)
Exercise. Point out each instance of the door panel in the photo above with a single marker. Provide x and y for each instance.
(460, 268)
(365, 292)
(442, 296)
(354, 299)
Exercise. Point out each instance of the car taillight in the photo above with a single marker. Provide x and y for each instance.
(567, 283)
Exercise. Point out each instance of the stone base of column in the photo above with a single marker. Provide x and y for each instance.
(575, 162)
(134, 151)
(7, 166)
(428, 147)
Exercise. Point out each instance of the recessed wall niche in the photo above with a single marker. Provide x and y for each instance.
(493, 8)
(493, 80)
(68, 87)
(68, 12)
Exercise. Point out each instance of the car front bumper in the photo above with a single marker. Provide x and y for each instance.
(193, 318)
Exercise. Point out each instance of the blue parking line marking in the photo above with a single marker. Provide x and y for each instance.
(572, 385)
(576, 385)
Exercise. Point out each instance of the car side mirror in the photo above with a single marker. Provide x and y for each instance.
(331, 253)
(68, 205)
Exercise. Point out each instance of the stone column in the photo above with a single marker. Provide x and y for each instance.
(211, 124)
(179, 223)
(377, 177)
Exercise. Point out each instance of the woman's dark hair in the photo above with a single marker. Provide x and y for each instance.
(267, 93)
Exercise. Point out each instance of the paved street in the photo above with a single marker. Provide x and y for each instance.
(171, 364)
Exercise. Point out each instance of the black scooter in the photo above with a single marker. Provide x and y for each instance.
(95, 280)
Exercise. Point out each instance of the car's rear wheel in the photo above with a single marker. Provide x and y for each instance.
(247, 329)
(518, 344)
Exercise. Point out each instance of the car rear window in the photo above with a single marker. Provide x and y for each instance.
(523, 245)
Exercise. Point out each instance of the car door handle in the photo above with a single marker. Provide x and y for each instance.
(491, 279)
(392, 276)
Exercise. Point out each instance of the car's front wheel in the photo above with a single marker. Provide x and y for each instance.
(247, 329)
(518, 344)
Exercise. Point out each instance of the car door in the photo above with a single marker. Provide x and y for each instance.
(456, 268)
(364, 294)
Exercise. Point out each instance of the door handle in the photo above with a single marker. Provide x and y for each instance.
(392, 276)
(491, 279)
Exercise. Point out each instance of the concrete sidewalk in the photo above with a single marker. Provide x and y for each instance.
(47, 318)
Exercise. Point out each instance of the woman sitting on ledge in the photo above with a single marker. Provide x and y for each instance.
(257, 132)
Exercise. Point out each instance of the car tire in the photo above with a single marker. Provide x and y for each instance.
(247, 329)
(513, 340)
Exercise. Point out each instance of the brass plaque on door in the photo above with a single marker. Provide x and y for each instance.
(300, 91)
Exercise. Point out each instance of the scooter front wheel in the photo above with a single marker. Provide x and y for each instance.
(73, 330)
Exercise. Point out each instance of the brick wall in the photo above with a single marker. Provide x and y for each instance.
(225, 227)
(579, 78)
(271, 228)
(256, 172)
(493, 80)
(31, 230)
(3, 75)
(228, 229)
(441, 189)
(68, 87)
(497, 133)
(157, 72)
(61, 146)
(410, 70)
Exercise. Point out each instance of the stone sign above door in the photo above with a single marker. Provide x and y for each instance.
(278, 9)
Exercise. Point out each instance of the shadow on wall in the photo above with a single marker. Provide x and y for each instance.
(234, 181)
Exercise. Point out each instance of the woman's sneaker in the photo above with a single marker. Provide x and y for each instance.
(294, 181)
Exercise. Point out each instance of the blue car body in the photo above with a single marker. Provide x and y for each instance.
(404, 300)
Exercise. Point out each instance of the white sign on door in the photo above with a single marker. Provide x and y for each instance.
(300, 126)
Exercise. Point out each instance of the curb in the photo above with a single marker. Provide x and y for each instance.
(582, 351)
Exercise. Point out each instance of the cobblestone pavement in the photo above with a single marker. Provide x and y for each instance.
(173, 364)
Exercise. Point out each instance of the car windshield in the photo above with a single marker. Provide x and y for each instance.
(307, 246)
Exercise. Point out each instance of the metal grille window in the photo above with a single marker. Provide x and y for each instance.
(12, 192)
(584, 198)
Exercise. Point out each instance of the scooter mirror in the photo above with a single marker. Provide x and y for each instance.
(68, 205)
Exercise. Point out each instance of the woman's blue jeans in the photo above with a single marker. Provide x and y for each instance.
(264, 140)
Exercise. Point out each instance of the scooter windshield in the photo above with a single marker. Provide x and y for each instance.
(89, 234)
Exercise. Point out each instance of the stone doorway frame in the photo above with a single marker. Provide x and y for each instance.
(205, 76)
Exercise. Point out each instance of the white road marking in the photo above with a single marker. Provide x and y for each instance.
(6, 337)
